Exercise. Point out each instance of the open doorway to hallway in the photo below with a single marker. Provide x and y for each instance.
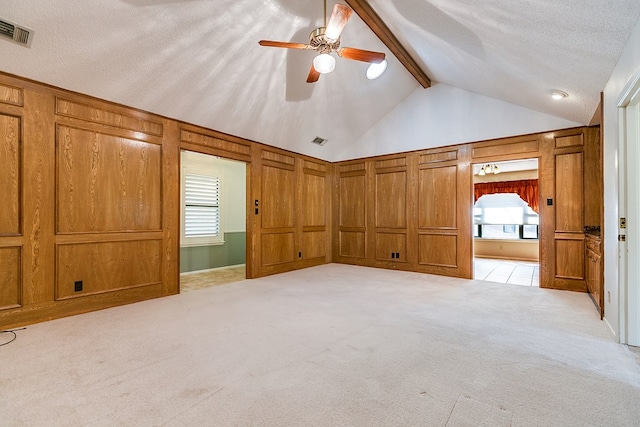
(213, 221)
(506, 222)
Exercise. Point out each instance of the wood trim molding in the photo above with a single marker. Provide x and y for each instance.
(371, 18)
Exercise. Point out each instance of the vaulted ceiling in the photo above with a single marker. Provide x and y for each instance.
(199, 60)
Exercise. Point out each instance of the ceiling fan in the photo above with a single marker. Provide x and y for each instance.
(326, 40)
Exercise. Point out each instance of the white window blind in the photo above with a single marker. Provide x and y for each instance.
(201, 206)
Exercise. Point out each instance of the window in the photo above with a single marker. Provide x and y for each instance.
(504, 216)
(201, 208)
(529, 231)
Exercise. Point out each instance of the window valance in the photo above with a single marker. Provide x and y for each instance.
(527, 189)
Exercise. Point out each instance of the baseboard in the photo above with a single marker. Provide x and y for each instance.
(606, 322)
(211, 269)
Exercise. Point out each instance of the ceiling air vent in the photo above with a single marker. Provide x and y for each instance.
(319, 141)
(15, 33)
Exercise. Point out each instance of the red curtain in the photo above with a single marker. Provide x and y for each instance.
(527, 189)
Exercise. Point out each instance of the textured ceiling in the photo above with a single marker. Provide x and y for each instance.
(517, 51)
(199, 60)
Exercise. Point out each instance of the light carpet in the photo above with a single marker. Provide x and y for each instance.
(334, 345)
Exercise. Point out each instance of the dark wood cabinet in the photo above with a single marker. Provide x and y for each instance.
(593, 271)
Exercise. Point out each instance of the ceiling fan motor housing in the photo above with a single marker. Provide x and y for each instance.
(318, 41)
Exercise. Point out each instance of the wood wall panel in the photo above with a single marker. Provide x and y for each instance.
(278, 157)
(443, 156)
(391, 163)
(106, 266)
(10, 174)
(593, 185)
(314, 244)
(352, 167)
(352, 244)
(291, 224)
(352, 201)
(500, 148)
(10, 283)
(404, 198)
(570, 259)
(437, 208)
(391, 199)
(106, 183)
(171, 202)
(570, 141)
(569, 193)
(278, 197)
(11, 95)
(315, 166)
(38, 187)
(234, 148)
(126, 119)
(391, 247)
(277, 248)
(314, 200)
(438, 250)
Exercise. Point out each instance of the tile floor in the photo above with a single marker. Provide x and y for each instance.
(206, 279)
(504, 271)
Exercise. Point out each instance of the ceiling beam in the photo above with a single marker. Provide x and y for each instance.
(371, 18)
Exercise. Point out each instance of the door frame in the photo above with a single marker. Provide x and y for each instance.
(629, 208)
(506, 158)
(248, 208)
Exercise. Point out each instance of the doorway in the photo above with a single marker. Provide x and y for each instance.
(629, 210)
(212, 221)
(506, 224)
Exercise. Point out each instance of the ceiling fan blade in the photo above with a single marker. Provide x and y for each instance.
(339, 17)
(313, 75)
(270, 43)
(361, 55)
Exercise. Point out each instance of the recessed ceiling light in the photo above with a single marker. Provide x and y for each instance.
(558, 94)
(375, 70)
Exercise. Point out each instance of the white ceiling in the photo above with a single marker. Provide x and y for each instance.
(199, 60)
(510, 165)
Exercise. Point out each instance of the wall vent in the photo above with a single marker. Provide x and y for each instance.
(319, 141)
(15, 33)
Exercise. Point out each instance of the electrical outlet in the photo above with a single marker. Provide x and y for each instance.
(77, 286)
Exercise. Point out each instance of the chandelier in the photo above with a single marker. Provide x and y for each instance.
(489, 169)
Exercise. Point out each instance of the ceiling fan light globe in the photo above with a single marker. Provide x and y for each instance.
(324, 63)
(375, 70)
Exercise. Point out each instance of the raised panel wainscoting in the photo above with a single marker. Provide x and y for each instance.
(91, 204)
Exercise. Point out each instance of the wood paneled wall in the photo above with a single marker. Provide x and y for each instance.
(291, 211)
(412, 211)
(402, 212)
(91, 203)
